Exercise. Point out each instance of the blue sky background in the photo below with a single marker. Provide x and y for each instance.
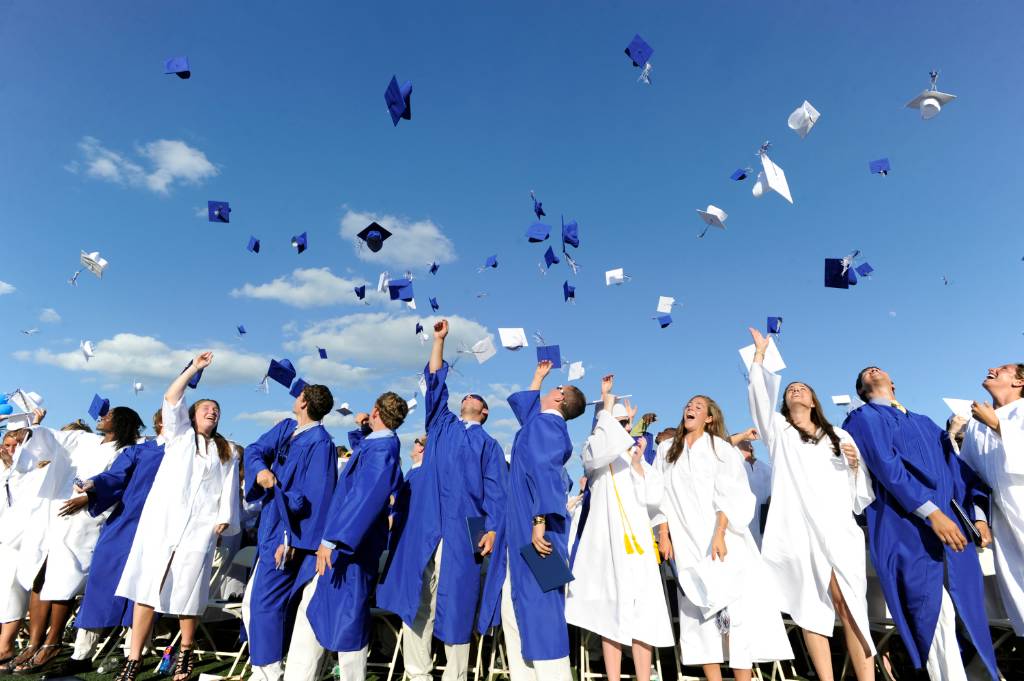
(286, 106)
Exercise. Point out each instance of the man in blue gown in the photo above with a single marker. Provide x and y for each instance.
(931, 583)
(533, 621)
(334, 612)
(292, 469)
(433, 577)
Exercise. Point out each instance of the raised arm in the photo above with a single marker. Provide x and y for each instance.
(762, 391)
(259, 457)
(543, 368)
(609, 440)
(177, 388)
(437, 351)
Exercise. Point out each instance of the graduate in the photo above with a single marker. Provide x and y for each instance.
(292, 470)
(759, 476)
(432, 580)
(533, 621)
(122, 490)
(334, 610)
(930, 582)
(617, 592)
(812, 545)
(58, 544)
(726, 610)
(994, 447)
(194, 500)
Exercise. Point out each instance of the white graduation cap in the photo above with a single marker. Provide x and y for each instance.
(30, 332)
(18, 421)
(665, 304)
(615, 277)
(931, 101)
(94, 263)
(841, 400)
(411, 403)
(411, 304)
(344, 409)
(382, 282)
(771, 177)
(772, 357)
(713, 217)
(961, 408)
(803, 119)
(423, 383)
(87, 349)
(513, 339)
(26, 400)
(484, 349)
(263, 387)
(576, 371)
(618, 399)
(137, 387)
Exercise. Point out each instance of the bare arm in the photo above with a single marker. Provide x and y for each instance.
(177, 388)
(543, 367)
(437, 351)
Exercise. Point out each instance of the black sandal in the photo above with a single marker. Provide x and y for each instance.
(183, 665)
(30, 666)
(129, 671)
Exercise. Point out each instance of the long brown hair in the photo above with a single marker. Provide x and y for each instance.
(223, 446)
(716, 428)
(822, 427)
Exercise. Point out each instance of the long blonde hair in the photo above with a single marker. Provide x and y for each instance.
(716, 428)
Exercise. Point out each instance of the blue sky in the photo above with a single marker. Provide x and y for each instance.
(284, 117)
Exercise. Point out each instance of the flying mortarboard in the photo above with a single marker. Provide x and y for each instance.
(615, 277)
(241, 330)
(434, 267)
(218, 211)
(99, 407)
(492, 261)
(771, 178)
(837, 273)
(344, 409)
(93, 262)
(570, 233)
(639, 51)
(713, 217)
(87, 349)
(483, 349)
(665, 304)
(419, 329)
(551, 353)
(398, 100)
(282, 372)
(297, 387)
(137, 387)
(400, 289)
(254, 245)
(740, 174)
(550, 258)
(538, 232)
(538, 207)
(513, 339)
(772, 357)
(880, 167)
(360, 291)
(300, 242)
(322, 352)
(803, 119)
(178, 66)
(576, 370)
(931, 101)
(374, 235)
(664, 320)
(433, 304)
(568, 292)
(864, 269)
(841, 400)
(774, 325)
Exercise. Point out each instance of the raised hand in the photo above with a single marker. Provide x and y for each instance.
(630, 409)
(441, 329)
(760, 343)
(606, 384)
(984, 412)
(203, 360)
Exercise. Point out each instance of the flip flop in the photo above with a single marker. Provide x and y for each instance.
(33, 667)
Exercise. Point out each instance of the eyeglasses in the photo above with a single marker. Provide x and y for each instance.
(623, 422)
(560, 389)
(419, 442)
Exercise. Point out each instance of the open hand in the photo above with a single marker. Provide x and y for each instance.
(718, 548)
(323, 560)
(947, 531)
(202, 360)
(760, 344)
(543, 369)
(486, 544)
(606, 384)
(540, 544)
(73, 506)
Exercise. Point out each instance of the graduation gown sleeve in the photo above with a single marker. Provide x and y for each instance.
(229, 508)
(544, 481)
(608, 441)
(495, 478)
(109, 486)
(763, 395)
(436, 399)
(353, 514)
(259, 456)
(732, 495)
(525, 404)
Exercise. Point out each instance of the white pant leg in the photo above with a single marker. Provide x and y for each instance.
(944, 660)
(85, 643)
(304, 652)
(352, 665)
(417, 639)
(520, 669)
(456, 666)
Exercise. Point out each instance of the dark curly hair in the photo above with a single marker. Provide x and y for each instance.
(392, 410)
(125, 426)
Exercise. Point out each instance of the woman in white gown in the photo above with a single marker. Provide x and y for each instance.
(726, 610)
(193, 501)
(812, 544)
(617, 590)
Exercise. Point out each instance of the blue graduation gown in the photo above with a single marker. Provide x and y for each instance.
(306, 470)
(128, 481)
(357, 526)
(463, 474)
(536, 487)
(911, 463)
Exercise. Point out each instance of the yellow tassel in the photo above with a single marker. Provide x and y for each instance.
(629, 547)
(636, 545)
(657, 553)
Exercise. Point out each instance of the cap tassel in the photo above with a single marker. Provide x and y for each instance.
(636, 545)
(629, 546)
(654, 542)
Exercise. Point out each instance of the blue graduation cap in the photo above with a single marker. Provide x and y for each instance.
(300, 242)
(297, 388)
(639, 51)
(774, 325)
(550, 352)
(419, 329)
(739, 174)
(434, 267)
(433, 304)
(400, 289)
(360, 291)
(254, 245)
(835, 277)
(178, 66)
(864, 269)
(664, 320)
(570, 233)
(218, 211)
(99, 407)
(194, 381)
(550, 258)
(398, 100)
(323, 353)
(538, 207)
(568, 291)
(880, 167)
(374, 235)
(241, 330)
(492, 261)
(282, 372)
(538, 232)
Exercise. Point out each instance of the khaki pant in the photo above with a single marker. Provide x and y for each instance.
(305, 652)
(522, 670)
(417, 640)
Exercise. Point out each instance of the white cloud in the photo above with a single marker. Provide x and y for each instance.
(49, 315)
(307, 288)
(6, 288)
(382, 339)
(127, 356)
(270, 417)
(413, 243)
(330, 372)
(171, 161)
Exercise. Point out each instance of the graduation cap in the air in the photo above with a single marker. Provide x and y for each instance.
(803, 119)
(178, 66)
(297, 387)
(434, 267)
(241, 330)
(419, 329)
(880, 167)
(300, 242)
(615, 277)
(639, 51)
(93, 262)
(931, 101)
(194, 381)
(360, 291)
(712, 217)
(568, 292)
(538, 232)
(374, 235)
(864, 269)
(322, 352)
(400, 289)
(771, 177)
(550, 258)
(137, 387)
(99, 407)
(282, 372)
(740, 174)
(774, 325)
(492, 261)
(839, 274)
(513, 338)
(399, 100)
(87, 350)
(570, 233)
(551, 353)
(664, 320)
(538, 207)
(218, 211)
(433, 304)
(254, 245)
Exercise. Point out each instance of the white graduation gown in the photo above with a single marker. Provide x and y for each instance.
(617, 593)
(171, 558)
(811, 531)
(706, 479)
(999, 460)
(760, 478)
(65, 544)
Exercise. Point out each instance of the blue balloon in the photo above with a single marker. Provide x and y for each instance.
(6, 409)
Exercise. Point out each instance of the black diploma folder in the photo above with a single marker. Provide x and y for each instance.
(970, 531)
(551, 573)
